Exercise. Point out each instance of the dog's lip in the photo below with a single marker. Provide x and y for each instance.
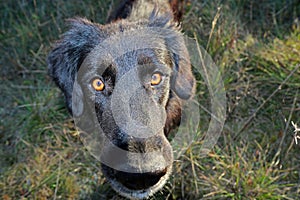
(141, 193)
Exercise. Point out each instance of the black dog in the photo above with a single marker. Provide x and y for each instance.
(124, 83)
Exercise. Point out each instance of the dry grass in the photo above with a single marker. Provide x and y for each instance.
(257, 48)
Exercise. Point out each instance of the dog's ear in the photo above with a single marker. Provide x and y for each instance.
(182, 80)
(68, 54)
(77, 100)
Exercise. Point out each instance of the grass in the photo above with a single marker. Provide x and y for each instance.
(256, 45)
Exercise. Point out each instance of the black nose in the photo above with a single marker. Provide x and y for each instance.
(139, 181)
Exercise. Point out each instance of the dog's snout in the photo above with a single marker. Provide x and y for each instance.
(139, 181)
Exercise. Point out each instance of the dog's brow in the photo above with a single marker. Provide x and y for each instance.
(144, 59)
(148, 60)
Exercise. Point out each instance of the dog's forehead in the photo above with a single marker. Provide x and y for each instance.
(126, 56)
(147, 60)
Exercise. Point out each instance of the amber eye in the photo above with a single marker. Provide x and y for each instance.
(98, 84)
(156, 78)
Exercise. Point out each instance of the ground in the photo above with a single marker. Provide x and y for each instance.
(256, 46)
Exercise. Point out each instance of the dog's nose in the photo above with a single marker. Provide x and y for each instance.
(139, 181)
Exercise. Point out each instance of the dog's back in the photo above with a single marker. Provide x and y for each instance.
(135, 10)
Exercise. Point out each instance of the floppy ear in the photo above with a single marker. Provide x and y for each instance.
(68, 54)
(182, 80)
(77, 100)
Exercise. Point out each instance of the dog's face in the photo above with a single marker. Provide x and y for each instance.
(124, 84)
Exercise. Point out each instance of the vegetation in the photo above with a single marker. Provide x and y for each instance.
(256, 45)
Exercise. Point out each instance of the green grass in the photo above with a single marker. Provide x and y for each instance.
(256, 45)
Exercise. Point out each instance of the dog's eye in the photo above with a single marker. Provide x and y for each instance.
(98, 84)
(156, 78)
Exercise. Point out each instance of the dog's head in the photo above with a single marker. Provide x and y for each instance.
(124, 83)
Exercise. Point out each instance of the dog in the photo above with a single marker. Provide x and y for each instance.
(124, 83)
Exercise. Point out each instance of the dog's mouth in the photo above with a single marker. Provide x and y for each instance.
(136, 185)
(139, 181)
